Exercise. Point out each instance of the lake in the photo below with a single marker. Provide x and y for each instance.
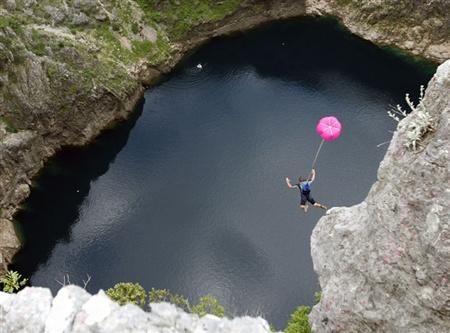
(189, 194)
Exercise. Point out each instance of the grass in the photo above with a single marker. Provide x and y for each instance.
(183, 15)
(38, 42)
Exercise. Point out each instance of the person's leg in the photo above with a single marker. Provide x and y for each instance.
(320, 206)
(315, 204)
(303, 204)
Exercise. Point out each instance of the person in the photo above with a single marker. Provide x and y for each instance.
(304, 185)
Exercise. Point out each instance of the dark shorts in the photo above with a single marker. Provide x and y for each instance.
(305, 196)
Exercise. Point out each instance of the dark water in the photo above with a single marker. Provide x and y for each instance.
(189, 194)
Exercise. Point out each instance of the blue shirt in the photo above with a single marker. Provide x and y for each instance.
(305, 186)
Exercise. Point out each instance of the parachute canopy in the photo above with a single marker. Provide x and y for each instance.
(329, 128)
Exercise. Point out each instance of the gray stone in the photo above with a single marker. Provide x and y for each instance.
(9, 242)
(65, 306)
(384, 265)
(25, 312)
(80, 19)
(85, 5)
(128, 318)
(74, 310)
(10, 5)
(93, 312)
(148, 33)
(57, 14)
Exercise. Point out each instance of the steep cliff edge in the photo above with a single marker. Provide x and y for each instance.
(384, 264)
(418, 27)
(74, 310)
(69, 69)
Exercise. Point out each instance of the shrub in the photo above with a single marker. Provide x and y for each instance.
(124, 293)
(317, 297)
(134, 293)
(209, 305)
(12, 281)
(299, 321)
(164, 295)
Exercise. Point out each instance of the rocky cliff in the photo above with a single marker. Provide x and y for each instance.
(418, 27)
(384, 264)
(69, 69)
(34, 310)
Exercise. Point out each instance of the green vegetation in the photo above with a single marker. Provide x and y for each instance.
(134, 293)
(12, 281)
(11, 22)
(209, 304)
(299, 321)
(182, 15)
(164, 295)
(124, 293)
(8, 126)
(38, 43)
(317, 297)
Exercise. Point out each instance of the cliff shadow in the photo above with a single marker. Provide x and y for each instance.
(42, 223)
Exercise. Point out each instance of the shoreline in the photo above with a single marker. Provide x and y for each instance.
(35, 149)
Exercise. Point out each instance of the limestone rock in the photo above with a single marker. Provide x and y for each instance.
(10, 4)
(74, 310)
(418, 28)
(80, 19)
(9, 243)
(65, 306)
(148, 33)
(384, 265)
(93, 312)
(26, 311)
(57, 14)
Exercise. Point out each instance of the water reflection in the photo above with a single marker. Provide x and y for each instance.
(192, 196)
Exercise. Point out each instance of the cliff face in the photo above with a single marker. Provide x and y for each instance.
(384, 264)
(418, 27)
(68, 69)
(73, 310)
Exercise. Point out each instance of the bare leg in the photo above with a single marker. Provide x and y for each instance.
(320, 206)
(304, 207)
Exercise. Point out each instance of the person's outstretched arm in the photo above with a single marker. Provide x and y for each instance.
(288, 182)
(312, 177)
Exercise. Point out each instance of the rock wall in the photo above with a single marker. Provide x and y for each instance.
(70, 69)
(61, 86)
(417, 27)
(384, 264)
(73, 310)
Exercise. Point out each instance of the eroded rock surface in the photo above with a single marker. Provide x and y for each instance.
(418, 27)
(73, 310)
(384, 265)
(61, 86)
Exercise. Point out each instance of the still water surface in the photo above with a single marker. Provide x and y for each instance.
(189, 194)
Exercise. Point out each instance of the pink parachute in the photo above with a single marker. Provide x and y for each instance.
(329, 129)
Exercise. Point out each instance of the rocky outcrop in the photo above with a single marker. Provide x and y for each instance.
(417, 27)
(70, 69)
(34, 310)
(384, 264)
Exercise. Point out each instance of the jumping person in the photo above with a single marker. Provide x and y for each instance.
(304, 185)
